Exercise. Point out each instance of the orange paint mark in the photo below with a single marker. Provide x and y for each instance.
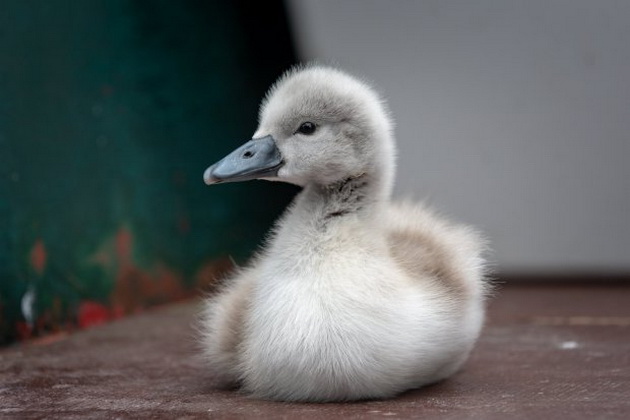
(124, 245)
(38, 257)
(135, 287)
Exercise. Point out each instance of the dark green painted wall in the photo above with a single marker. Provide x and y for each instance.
(110, 110)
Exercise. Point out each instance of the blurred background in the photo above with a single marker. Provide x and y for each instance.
(511, 115)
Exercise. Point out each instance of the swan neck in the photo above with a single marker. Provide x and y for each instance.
(353, 196)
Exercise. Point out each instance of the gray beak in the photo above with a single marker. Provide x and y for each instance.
(258, 158)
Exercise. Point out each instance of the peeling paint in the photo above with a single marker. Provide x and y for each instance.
(110, 210)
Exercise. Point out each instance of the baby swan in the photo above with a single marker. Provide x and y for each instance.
(354, 297)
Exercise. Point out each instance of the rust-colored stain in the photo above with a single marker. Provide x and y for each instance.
(38, 257)
(135, 287)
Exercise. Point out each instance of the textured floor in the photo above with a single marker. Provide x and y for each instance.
(557, 351)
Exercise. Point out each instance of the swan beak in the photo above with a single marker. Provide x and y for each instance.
(258, 158)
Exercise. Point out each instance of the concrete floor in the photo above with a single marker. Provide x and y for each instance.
(547, 352)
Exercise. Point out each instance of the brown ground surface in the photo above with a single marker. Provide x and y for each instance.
(548, 352)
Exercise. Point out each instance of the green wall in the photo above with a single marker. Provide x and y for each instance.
(110, 110)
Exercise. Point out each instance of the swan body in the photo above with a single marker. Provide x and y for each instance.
(354, 296)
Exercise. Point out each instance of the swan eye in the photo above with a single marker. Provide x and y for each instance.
(307, 128)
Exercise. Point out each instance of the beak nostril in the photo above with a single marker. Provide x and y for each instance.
(248, 154)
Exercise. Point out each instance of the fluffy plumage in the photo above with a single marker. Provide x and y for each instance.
(354, 296)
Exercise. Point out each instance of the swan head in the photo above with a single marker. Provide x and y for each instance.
(317, 125)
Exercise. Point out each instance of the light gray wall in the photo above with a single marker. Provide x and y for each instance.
(511, 115)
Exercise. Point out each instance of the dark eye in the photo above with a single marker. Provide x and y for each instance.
(307, 128)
